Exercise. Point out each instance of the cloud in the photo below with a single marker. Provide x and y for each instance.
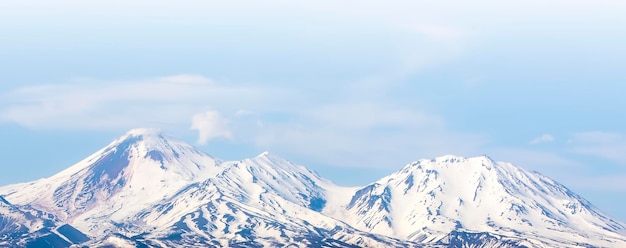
(564, 168)
(371, 115)
(210, 125)
(350, 126)
(534, 159)
(614, 182)
(606, 145)
(546, 138)
(93, 104)
(365, 134)
(597, 137)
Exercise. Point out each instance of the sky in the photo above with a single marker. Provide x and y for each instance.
(351, 89)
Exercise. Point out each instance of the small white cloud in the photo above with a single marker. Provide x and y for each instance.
(210, 125)
(542, 139)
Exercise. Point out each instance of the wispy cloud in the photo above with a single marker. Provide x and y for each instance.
(353, 126)
(564, 168)
(607, 145)
(347, 127)
(93, 104)
(545, 138)
(368, 135)
(615, 182)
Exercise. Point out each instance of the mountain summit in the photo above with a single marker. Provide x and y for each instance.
(142, 166)
(149, 189)
(427, 199)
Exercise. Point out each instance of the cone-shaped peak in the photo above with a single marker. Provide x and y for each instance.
(147, 139)
(264, 154)
(273, 159)
(145, 136)
(449, 158)
(153, 143)
(144, 132)
(143, 162)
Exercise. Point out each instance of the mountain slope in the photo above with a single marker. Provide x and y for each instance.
(428, 199)
(149, 189)
(26, 227)
(263, 201)
(141, 167)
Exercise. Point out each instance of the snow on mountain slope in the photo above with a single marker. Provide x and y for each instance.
(148, 189)
(263, 201)
(427, 199)
(139, 168)
(14, 220)
(264, 182)
(151, 189)
(21, 226)
(193, 219)
(269, 175)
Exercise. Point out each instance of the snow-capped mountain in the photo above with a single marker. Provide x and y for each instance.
(27, 227)
(147, 188)
(427, 199)
(141, 167)
(265, 201)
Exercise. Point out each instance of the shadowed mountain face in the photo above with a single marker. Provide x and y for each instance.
(147, 188)
(21, 226)
(135, 170)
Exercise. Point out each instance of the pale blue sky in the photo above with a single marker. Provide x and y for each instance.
(353, 90)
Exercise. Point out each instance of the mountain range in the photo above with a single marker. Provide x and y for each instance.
(147, 189)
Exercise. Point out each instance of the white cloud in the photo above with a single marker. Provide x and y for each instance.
(549, 163)
(351, 128)
(93, 104)
(562, 167)
(360, 126)
(372, 115)
(546, 138)
(210, 125)
(614, 182)
(366, 135)
(597, 137)
(607, 145)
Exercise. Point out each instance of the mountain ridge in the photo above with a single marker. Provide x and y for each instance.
(147, 188)
(500, 197)
(141, 165)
